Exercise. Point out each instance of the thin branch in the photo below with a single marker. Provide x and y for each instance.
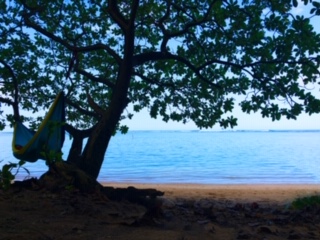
(94, 47)
(190, 24)
(149, 80)
(275, 61)
(100, 111)
(7, 66)
(15, 103)
(93, 78)
(7, 101)
(81, 110)
(155, 56)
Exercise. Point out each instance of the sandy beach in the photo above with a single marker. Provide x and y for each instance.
(185, 211)
(280, 193)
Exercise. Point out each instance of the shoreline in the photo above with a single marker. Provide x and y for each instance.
(277, 193)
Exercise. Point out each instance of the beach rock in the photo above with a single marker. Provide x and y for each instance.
(205, 221)
(204, 204)
(187, 227)
(218, 206)
(295, 235)
(254, 206)
(267, 229)
(243, 235)
(168, 214)
(210, 228)
(168, 203)
(239, 206)
(254, 224)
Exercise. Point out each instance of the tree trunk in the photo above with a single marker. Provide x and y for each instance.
(95, 149)
(74, 156)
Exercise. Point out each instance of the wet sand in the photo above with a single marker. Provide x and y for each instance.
(280, 193)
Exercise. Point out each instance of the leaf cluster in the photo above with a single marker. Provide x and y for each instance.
(7, 173)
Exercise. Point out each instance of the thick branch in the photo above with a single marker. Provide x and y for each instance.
(77, 132)
(95, 106)
(114, 12)
(134, 10)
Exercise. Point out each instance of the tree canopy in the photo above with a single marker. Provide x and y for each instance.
(182, 60)
(189, 58)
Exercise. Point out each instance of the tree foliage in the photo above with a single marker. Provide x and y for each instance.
(182, 60)
(190, 58)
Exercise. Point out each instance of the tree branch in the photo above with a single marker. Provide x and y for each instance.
(76, 132)
(134, 10)
(95, 106)
(114, 12)
(6, 100)
(15, 103)
(188, 25)
(149, 80)
(94, 47)
(155, 56)
(81, 110)
(93, 78)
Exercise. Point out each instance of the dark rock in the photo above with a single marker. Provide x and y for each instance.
(294, 235)
(168, 214)
(254, 224)
(187, 227)
(203, 221)
(204, 204)
(210, 228)
(168, 203)
(265, 229)
(254, 205)
(243, 235)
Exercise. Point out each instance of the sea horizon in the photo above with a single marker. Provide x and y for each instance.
(202, 157)
(211, 130)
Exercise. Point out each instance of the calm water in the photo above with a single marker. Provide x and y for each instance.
(202, 157)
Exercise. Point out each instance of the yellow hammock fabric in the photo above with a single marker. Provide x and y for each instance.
(31, 146)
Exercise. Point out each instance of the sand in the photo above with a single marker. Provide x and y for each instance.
(280, 193)
(187, 211)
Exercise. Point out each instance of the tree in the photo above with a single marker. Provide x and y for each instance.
(183, 60)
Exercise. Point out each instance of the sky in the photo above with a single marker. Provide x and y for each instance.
(253, 121)
(143, 121)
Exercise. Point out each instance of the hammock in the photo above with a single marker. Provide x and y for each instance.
(31, 146)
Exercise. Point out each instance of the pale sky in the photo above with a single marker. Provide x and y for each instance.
(143, 121)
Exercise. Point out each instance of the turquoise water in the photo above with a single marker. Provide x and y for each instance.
(203, 157)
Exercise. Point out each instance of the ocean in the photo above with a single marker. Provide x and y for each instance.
(201, 157)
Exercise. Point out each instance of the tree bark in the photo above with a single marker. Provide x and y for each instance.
(95, 149)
